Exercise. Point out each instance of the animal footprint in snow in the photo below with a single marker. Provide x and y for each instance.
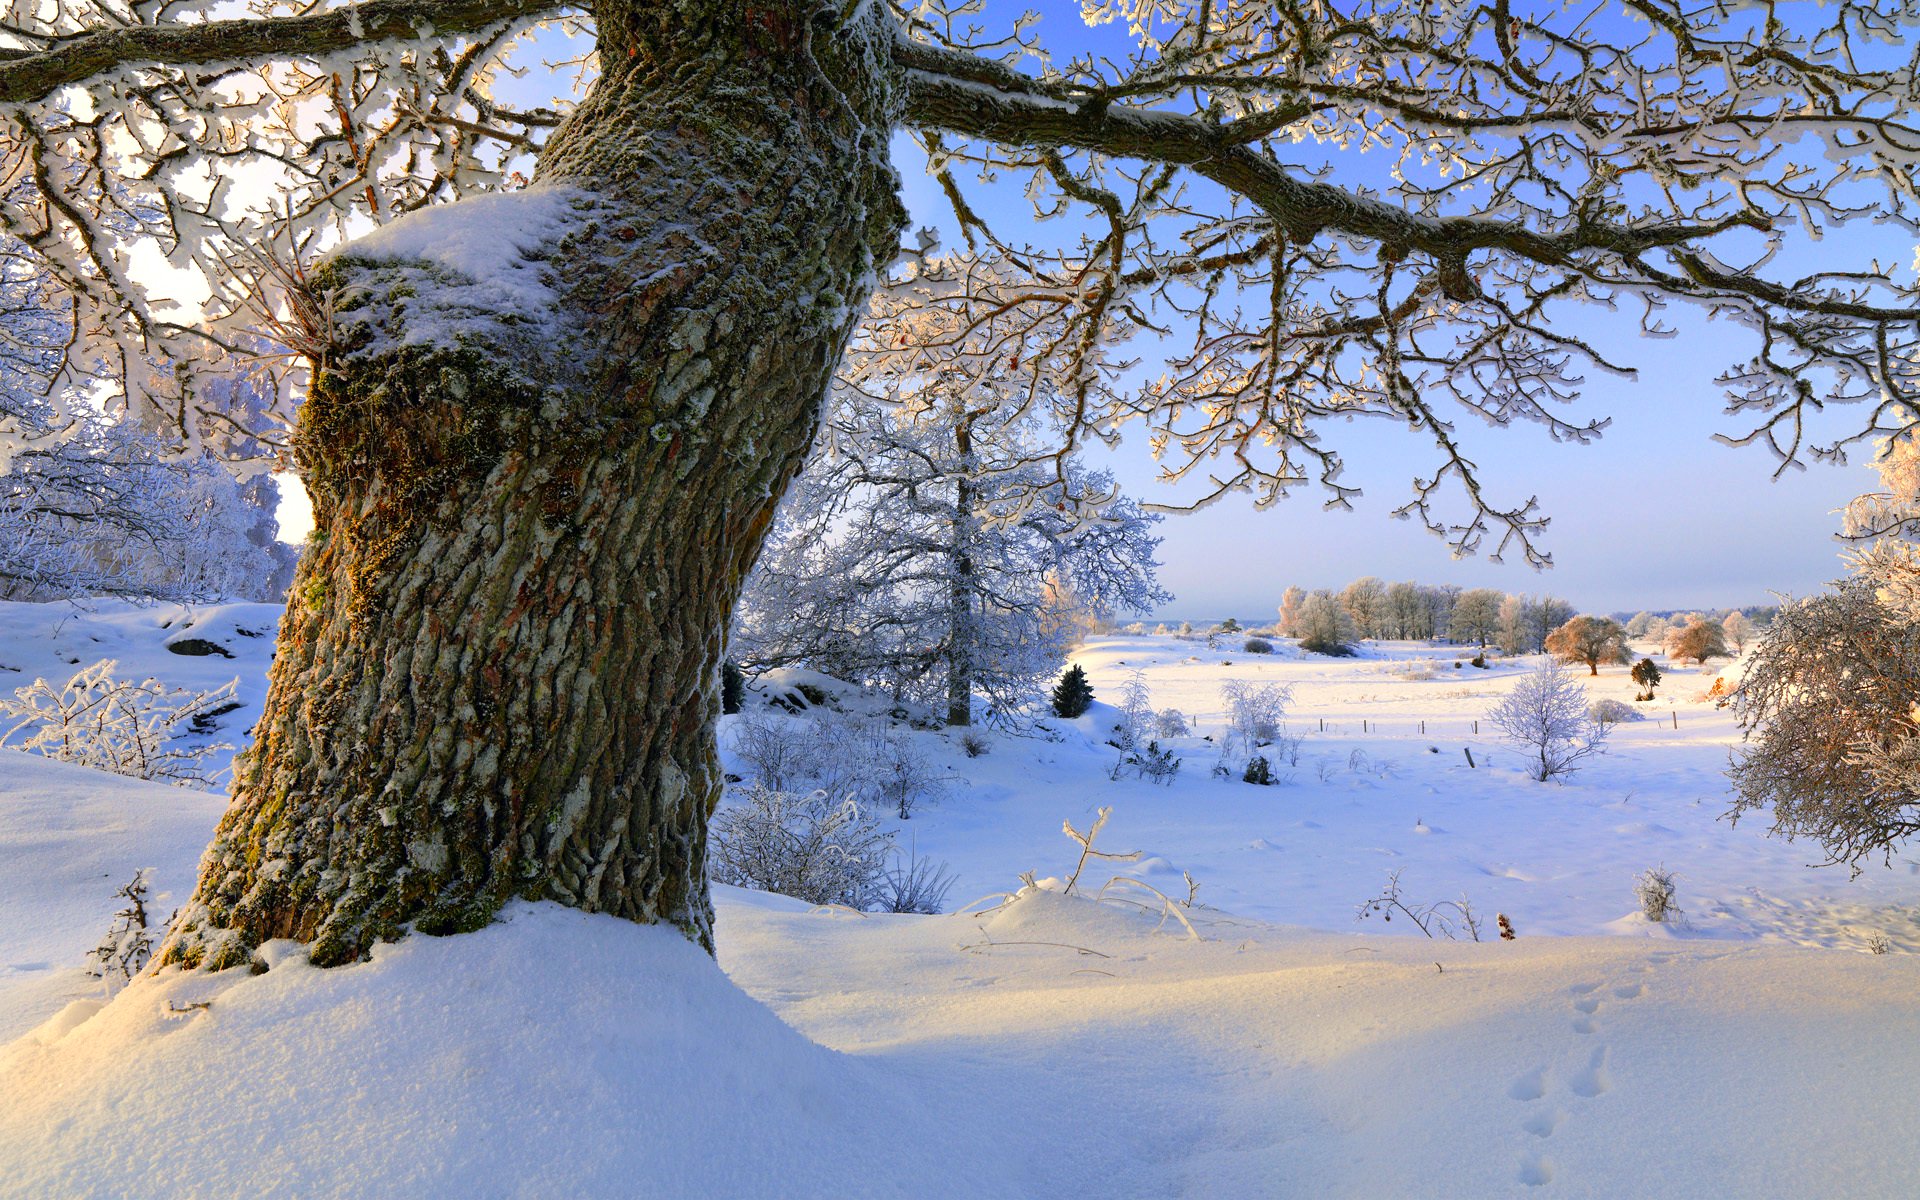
(1536, 1171)
(1581, 989)
(1593, 1080)
(1583, 1025)
(1530, 1086)
(1543, 1124)
(1587, 1004)
(1628, 991)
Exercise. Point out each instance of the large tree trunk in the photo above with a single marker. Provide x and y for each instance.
(497, 672)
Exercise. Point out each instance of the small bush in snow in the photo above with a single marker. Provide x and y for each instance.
(1647, 677)
(775, 749)
(733, 687)
(1655, 889)
(975, 743)
(1546, 715)
(915, 885)
(116, 724)
(1169, 723)
(1258, 646)
(811, 847)
(1073, 695)
(1879, 943)
(1153, 763)
(1259, 771)
(1608, 713)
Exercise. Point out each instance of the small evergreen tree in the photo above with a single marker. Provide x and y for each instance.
(1647, 676)
(1229, 626)
(733, 687)
(1073, 694)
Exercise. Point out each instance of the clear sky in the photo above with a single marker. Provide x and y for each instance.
(1654, 515)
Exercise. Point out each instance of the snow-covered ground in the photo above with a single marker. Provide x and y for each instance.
(1045, 1045)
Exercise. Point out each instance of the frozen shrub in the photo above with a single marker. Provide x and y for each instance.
(1153, 763)
(1256, 714)
(811, 847)
(1546, 715)
(1608, 713)
(118, 725)
(914, 885)
(773, 748)
(1169, 723)
(1655, 889)
(1259, 771)
(1073, 695)
(974, 743)
(1258, 646)
(1879, 943)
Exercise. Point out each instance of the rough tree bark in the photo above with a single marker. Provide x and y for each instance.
(497, 674)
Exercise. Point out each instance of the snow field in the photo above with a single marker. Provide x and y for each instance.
(1035, 1045)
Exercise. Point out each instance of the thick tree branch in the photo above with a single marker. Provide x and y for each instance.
(26, 77)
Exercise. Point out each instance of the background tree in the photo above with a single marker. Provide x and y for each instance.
(1638, 624)
(929, 547)
(1647, 676)
(1365, 600)
(1476, 617)
(1699, 640)
(589, 395)
(1325, 626)
(1739, 630)
(1291, 601)
(1590, 640)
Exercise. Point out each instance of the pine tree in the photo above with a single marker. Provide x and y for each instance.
(1073, 695)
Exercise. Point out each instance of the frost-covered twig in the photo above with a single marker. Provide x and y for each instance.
(1086, 846)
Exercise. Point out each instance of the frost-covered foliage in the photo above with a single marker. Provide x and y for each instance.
(1830, 709)
(869, 759)
(1546, 716)
(119, 725)
(1475, 619)
(808, 846)
(1609, 712)
(1257, 720)
(1525, 622)
(128, 945)
(1325, 627)
(1589, 641)
(928, 549)
(1699, 639)
(1655, 889)
(1739, 630)
(914, 885)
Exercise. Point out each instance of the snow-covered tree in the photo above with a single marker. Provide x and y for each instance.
(1829, 704)
(1699, 639)
(1637, 624)
(1291, 601)
(931, 554)
(588, 395)
(1476, 617)
(1365, 600)
(1589, 640)
(1739, 630)
(1547, 716)
(1325, 627)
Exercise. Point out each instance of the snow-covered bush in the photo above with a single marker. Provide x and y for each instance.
(117, 725)
(1608, 713)
(1654, 888)
(867, 758)
(1546, 715)
(811, 847)
(1258, 646)
(1170, 723)
(128, 944)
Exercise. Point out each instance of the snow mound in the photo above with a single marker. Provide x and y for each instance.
(554, 1053)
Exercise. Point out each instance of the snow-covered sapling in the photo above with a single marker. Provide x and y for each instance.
(1087, 851)
(1654, 887)
(128, 945)
(1445, 918)
(1546, 716)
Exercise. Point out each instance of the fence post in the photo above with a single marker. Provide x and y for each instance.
(1468, 751)
(1676, 718)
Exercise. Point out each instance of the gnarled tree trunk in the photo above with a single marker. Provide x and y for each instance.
(497, 675)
